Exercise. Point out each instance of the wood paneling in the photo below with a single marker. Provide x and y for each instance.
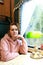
(12, 7)
(7, 8)
(1, 9)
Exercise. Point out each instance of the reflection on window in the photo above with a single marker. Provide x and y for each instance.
(32, 20)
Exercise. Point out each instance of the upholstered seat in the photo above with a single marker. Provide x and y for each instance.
(4, 24)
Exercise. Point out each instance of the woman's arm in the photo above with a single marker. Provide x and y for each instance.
(23, 47)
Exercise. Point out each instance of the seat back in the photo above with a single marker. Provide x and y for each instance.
(4, 25)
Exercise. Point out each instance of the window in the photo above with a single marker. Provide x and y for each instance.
(31, 18)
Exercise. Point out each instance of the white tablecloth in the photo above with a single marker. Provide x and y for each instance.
(23, 60)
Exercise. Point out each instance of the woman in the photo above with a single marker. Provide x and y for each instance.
(12, 44)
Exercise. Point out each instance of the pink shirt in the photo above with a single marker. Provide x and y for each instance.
(11, 49)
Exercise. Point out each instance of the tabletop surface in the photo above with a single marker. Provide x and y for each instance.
(23, 60)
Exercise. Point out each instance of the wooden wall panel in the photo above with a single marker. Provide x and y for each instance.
(1, 9)
(12, 7)
(7, 8)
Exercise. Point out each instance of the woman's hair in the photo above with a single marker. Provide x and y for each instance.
(15, 25)
(11, 24)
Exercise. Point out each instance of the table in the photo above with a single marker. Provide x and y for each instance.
(23, 60)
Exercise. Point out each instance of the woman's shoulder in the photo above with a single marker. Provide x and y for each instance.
(6, 35)
(4, 38)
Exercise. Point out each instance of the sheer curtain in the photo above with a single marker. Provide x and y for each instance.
(26, 14)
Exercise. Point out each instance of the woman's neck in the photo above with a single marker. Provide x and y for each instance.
(14, 38)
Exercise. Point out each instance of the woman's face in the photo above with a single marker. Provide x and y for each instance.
(13, 31)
